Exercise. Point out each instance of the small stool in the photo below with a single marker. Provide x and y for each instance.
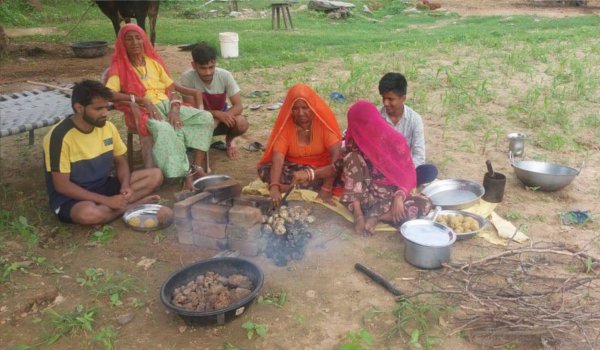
(131, 132)
(282, 9)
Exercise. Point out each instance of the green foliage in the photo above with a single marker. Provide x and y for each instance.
(4, 219)
(79, 320)
(414, 319)
(15, 12)
(25, 13)
(252, 328)
(22, 347)
(45, 263)
(103, 235)
(513, 215)
(21, 227)
(111, 284)
(361, 340)
(6, 268)
(106, 336)
(92, 275)
(277, 299)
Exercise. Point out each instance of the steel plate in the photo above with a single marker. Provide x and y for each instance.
(463, 235)
(454, 194)
(203, 182)
(144, 212)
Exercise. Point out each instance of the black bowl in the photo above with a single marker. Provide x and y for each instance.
(225, 266)
(89, 49)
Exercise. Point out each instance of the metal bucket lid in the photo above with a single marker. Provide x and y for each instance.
(427, 233)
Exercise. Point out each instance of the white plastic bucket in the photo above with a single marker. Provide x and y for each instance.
(229, 44)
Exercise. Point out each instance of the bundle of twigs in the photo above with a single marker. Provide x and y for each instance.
(548, 294)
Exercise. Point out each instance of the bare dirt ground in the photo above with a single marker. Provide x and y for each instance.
(326, 297)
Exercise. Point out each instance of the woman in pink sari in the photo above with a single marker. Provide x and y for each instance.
(378, 172)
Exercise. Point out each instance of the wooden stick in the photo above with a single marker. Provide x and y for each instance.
(51, 86)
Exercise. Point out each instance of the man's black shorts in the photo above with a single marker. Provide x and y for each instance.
(111, 187)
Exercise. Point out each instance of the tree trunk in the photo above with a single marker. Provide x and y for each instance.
(3, 41)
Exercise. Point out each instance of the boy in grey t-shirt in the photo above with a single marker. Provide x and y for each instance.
(217, 85)
(393, 88)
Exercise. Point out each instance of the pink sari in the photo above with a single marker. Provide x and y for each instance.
(382, 145)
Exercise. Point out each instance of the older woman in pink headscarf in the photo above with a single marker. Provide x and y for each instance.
(378, 172)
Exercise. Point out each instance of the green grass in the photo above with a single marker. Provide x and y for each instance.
(110, 284)
(79, 320)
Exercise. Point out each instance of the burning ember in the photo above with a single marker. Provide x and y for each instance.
(286, 233)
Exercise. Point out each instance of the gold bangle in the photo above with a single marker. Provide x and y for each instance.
(308, 173)
(402, 193)
(312, 174)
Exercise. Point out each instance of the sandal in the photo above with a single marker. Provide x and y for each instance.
(254, 146)
(220, 145)
(258, 93)
(275, 106)
(255, 106)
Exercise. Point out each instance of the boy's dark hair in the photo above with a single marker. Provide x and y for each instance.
(394, 82)
(86, 90)
(204, 53)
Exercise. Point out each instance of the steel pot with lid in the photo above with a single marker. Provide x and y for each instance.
(427, 243)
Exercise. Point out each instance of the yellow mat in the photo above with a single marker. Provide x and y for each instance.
(505, 229)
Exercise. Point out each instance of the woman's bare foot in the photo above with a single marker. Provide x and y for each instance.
(188, 182)
(198, 172)
(370, 226)
(359, 225)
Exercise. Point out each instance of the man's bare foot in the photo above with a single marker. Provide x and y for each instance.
(151, 199)
(233, 152)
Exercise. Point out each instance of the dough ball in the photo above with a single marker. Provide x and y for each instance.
(134, 221)
(442, 219)
(164, 215)
(150, 223)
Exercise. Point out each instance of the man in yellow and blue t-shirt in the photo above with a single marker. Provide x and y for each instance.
(79, 153)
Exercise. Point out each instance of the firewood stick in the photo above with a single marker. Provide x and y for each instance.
(51, 86)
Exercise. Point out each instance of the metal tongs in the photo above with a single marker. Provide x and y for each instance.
(286, 194)
(283, 199)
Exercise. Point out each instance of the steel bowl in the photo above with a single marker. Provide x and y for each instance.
(544, 176)
(144, 212)
(453, 194)
(427, 243)
(463, 235)
(204, 182)
(225, 266)
(89, 49)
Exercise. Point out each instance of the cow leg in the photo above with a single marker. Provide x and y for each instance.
(141, 21)
(116, 25)
(152, 29)
(152, 15)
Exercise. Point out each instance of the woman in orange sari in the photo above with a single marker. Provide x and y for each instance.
(305, 137)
